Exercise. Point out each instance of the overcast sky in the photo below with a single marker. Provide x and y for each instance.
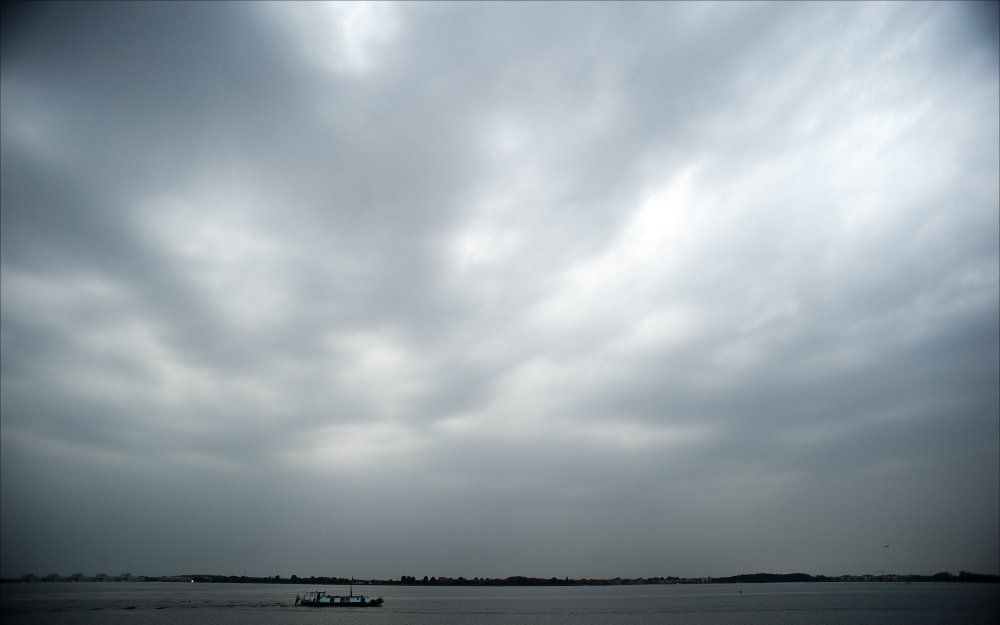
(500, 289)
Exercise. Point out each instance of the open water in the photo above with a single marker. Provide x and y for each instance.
(856, 603)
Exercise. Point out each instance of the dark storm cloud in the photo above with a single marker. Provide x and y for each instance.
(691, 284)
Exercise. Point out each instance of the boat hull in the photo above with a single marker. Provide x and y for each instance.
(368, 604)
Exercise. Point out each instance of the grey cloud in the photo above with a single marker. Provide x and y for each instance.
(551, 270)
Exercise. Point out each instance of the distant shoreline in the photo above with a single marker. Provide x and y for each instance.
(517, 580)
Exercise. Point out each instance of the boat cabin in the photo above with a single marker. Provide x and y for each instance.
(323, 598)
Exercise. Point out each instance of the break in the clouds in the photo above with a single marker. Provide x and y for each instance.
(496, 289)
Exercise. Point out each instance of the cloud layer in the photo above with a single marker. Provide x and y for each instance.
(490, 289)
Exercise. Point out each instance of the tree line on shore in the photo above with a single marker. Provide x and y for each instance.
(516, 580)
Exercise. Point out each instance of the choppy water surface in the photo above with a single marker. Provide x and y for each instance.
(781, 604)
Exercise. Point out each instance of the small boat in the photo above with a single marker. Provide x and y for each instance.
(322, 599)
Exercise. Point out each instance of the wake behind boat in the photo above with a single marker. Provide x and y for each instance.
(322, 599)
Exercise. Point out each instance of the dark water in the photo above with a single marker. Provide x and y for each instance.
(779, 604)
